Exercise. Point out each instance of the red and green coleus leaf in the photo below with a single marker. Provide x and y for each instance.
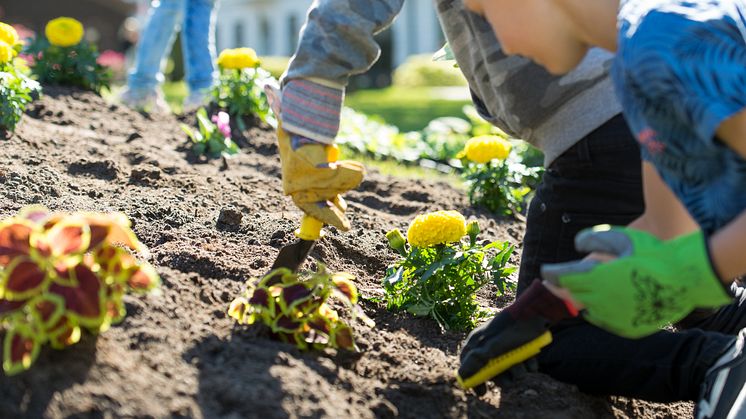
(35, 213)
(341, 337)
(20, 347)
(68, 237)
(292, 296)
(344, 287)
(143, 278)
(8, 308)
(111, 229)
(83, 301)
(46, 310)
(22, 279)
(15, 239)
(65, 333)
(286, 324)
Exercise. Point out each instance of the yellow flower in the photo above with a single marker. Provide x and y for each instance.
(436, 228)
(484, 148)
(238, 58)
(64, 32)
(6, 52)
(8, 34)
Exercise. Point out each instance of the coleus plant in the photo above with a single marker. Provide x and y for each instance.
(60, 273)
(439, 274)
(296, 307)
(213, 138)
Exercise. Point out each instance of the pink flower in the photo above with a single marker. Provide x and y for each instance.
(223, 121)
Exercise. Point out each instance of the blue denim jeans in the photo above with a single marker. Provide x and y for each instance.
(196, 18)
(599, 181)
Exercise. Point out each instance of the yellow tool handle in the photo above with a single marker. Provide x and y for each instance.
(310, 228)
(502, 363)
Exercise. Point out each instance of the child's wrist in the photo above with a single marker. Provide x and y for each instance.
(564, 295)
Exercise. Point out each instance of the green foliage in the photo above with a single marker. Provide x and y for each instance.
(502, 186)
(68, 66)
(15, 93)
(209, 140)
(371, 136)
(410, 109)
(422, 71)
(441, 281)
(240, 92)
(440, 141)
(275, 65)
(296, 307)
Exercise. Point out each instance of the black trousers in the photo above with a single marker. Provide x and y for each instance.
(598, 181)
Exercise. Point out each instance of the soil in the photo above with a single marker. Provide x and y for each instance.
(210, 227)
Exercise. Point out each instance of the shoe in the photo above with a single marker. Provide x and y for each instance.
(151, 101)
(723, 393)
(196, 100)
(497, 346)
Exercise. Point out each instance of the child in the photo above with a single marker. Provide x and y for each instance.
(197, 21)
(680, 72)
(593, 176)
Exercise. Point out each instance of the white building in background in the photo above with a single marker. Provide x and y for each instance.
(271, 27)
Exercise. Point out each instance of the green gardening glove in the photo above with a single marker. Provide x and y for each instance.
(651, 283)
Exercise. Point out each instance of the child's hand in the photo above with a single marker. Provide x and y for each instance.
(311, 174)
(650, 284)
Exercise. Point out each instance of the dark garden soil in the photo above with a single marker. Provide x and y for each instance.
(210, 227)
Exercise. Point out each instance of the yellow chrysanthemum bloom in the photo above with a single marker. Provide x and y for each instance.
(437, 227)
(238, 58)
(485, 148)
(6, 53)
(8, 34)
(64, 32)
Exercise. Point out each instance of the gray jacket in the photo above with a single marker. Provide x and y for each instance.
(518, 96)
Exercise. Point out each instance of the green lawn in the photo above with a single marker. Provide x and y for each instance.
(410, 109)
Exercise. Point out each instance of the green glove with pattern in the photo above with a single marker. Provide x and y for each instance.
(651, 282)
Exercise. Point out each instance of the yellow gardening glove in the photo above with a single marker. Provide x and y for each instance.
(311, 174)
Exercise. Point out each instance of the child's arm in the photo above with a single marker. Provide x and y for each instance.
(665, 216)
(728, 243)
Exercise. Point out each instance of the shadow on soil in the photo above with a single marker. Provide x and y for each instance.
(28, 394)
(234, 376)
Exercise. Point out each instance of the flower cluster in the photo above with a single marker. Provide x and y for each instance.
(62, 272)
(223, 121)
(238, 58)
(297, 309)
(16, 88)
(64, 32)
(10, 43)
(485, 148)
(497, 175)
(63, 57)
(437, 227)
(212, 140)
(239, 89)
(441, 280)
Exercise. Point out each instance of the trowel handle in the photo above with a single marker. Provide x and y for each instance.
(310, 228)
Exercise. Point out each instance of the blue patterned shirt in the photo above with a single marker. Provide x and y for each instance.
(680, 71)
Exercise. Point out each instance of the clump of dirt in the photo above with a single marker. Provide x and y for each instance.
(210, 227)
